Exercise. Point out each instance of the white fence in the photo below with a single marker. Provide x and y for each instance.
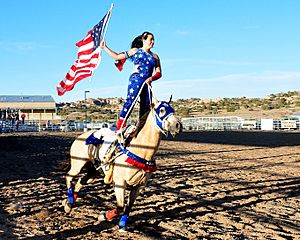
(189, 124)
(238, 123)
(7, 125)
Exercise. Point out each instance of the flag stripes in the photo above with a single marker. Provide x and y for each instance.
(88, 57)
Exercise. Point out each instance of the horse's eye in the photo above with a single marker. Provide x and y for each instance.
(162, 112)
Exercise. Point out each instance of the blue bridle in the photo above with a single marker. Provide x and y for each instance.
(161, 113)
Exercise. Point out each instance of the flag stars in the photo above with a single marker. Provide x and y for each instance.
(131, 90)
(87, 66)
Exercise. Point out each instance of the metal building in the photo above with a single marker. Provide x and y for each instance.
(35, 108)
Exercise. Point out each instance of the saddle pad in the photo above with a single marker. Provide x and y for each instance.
(108, 137)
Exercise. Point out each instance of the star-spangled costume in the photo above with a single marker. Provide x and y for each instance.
(144, 64)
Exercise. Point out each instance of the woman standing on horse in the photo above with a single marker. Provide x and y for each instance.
(145, 61)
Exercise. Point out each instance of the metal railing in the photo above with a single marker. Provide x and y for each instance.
(238, 123)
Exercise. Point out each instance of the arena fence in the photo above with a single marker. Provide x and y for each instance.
(238, 123)
(226, 123)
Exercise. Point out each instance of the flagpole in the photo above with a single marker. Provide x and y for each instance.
(104, 34)
(110, 10)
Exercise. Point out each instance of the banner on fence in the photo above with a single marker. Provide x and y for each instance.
(288, 124)
(267, 124)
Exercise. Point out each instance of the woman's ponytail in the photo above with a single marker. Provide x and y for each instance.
(138, 41)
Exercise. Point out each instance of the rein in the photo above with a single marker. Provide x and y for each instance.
(160, 121)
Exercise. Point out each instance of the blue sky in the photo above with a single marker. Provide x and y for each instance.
(208, 49)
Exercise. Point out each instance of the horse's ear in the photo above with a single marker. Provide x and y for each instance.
(154, 101)
(170, 99)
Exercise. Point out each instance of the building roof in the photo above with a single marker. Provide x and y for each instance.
(26, 98)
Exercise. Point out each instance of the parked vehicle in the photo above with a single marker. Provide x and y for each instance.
(64, 127)
(72, 126)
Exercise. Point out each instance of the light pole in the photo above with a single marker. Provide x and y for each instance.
(85, 92)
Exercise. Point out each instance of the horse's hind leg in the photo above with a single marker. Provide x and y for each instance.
(89, 177)
(76, 166)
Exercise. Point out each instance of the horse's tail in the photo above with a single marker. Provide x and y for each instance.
(65, 165)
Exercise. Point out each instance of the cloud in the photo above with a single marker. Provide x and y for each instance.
(172, 61)
(21, 46)
(104, 92)
(232, 85)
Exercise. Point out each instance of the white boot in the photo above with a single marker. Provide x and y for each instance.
(120, 137)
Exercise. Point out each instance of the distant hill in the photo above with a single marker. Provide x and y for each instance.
(273, 106)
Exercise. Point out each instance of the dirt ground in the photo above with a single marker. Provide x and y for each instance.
(209, 185)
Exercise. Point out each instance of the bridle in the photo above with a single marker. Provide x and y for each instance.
(160, 112)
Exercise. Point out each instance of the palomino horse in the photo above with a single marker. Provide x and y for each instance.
(134, 164)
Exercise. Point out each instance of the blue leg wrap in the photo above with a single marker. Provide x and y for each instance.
(124, 220)
(71, 198)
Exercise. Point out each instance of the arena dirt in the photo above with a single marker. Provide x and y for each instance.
(209, 185)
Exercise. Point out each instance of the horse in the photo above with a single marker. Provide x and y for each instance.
(132, 166)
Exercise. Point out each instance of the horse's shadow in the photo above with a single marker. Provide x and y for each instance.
(69, 233)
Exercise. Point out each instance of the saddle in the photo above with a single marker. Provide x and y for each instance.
(106, 151)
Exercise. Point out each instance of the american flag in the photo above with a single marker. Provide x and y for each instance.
(88, 57)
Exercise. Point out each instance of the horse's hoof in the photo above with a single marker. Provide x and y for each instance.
(64, 202)
(67, 206)
(102, 217)
(123, 230)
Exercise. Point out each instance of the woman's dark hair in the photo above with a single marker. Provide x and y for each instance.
(138, 41)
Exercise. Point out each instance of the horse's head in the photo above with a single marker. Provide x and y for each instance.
(165, 118)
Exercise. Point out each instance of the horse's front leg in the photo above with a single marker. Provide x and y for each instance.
(134, 193)
(119, 188)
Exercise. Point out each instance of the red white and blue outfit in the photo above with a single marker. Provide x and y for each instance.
(144, 63)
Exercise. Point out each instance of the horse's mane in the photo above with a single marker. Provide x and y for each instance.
(141, 123)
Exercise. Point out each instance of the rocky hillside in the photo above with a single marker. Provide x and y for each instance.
(273, 106)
